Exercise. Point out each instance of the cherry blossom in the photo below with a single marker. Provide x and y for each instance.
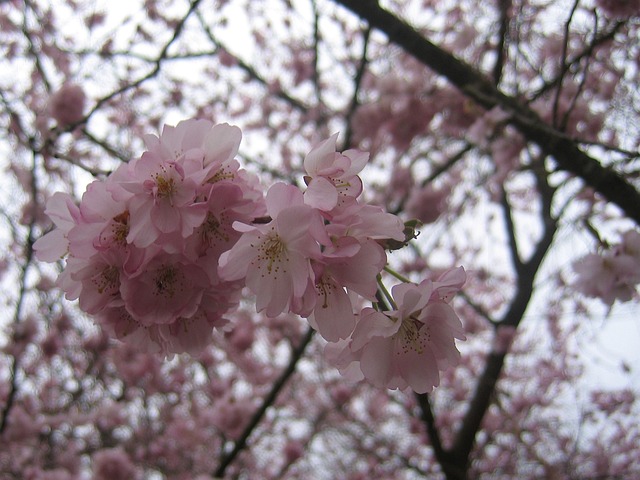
(64, 214)
(67, 104)
(143, 245)
(275, 258)
(612, 275)
(410, 345)
(331, 175)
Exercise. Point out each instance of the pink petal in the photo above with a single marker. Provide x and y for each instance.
(321, 194)
(333, 313)
(420, 370)
(321, 156)
(281, 196)
(222, 143)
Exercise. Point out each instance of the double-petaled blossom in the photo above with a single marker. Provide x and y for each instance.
(144, 244)
(410, 345)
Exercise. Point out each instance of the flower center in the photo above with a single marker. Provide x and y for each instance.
(108, 279)
(414, 335)
(272, 251)
(165, 281)
(211, 231)
(166, 186)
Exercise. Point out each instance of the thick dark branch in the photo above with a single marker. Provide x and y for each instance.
(465, 439)
(268, 401)
(451, 468)
(501, 48)
(478, 87)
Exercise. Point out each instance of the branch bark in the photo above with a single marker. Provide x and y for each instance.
(481, 89)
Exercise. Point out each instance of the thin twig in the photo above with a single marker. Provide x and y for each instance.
(267, 402)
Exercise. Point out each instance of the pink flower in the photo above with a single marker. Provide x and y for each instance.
(199, 145)
(366, 222)
(168, 288)
(332, 174)
(275, 258)
(409, 346)
(144, 244)
(66, 105)
(606, 277)
(164, 200)
(113, 464)
(65, 214)
(620, 8)
(100, 280)
(347, 267)
(612, 275)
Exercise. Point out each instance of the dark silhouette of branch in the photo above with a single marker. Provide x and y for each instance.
(481, 89)
(563, 61)
(525, 275)
(267, 402)
(503, 40)
(357, 81)
(449, 464)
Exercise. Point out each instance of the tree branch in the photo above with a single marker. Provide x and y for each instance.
(465, 438)
(478, 87)
(501, 48)
(353, 106)
(451, 468)
(268, 401)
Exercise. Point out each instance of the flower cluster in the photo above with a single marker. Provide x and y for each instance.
(612, 275)
(160, 250)
(409, 345)
(144, 244)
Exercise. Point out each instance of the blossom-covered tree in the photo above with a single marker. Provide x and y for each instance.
(319, 239)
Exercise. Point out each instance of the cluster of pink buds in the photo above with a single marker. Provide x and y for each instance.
(159, 252)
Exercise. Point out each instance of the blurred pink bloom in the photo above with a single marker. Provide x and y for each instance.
(232, 415)
(612, 275)
(113, 464)
(426, 203)
(620, 8)
(66, 105)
